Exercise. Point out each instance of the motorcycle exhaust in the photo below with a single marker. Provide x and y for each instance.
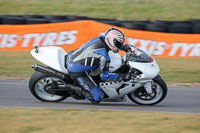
(49, 71)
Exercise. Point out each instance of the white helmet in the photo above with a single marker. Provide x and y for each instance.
(114, 38)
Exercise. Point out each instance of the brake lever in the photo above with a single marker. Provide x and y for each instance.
(128, 55)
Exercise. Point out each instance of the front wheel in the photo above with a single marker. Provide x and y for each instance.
(37, 84)
(159, 92)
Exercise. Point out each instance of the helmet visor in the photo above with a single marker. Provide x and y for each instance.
(117, 43)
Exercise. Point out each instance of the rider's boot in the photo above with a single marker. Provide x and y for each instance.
(97, 94)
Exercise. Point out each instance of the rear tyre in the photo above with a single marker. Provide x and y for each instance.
(37, 21)
(182, 28)
(13, 20)
(134, 25)
(36, 86)
(157, 27)
(141, 97)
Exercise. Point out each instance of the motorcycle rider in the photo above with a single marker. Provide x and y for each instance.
(93, 57)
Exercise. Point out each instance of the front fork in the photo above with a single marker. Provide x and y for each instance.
(149, 85)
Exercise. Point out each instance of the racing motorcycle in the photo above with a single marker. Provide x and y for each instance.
(146, 87)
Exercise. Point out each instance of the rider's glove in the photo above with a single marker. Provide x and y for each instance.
(109, 77)
(126, 48)
(124, 77)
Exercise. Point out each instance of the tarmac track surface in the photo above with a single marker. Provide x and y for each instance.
(16, 94)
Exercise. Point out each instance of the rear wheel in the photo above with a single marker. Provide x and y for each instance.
(38, 85)
(159, 92)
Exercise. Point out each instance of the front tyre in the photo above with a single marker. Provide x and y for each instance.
(159, 92)
(36, 85)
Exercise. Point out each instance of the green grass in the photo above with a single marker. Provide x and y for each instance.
(118, 9)
(98, 121)
(180, 69)
(17, 65)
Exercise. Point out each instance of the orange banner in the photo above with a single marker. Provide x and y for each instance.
(70, 35)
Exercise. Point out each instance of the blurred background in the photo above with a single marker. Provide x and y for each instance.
(112, 9)
(168, 16)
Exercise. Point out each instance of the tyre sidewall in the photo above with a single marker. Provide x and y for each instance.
(164, 89)
(33, 80)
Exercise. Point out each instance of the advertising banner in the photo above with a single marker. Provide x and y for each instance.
(70, 35)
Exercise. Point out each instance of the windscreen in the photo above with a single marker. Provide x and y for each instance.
(138, 55)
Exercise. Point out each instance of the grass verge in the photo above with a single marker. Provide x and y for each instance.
(17, 65)
(118, 9)
(98, 121)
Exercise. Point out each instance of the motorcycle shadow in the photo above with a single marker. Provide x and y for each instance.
(111, 104)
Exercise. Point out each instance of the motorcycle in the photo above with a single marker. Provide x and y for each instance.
(146, 87)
